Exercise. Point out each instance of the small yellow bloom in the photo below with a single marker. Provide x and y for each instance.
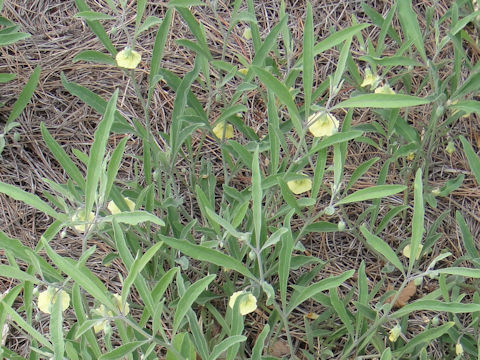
(299, 186)
(247, 304)
(243, 71)
(369, 78)
(385, 89)
(410, 156)
(458, 349)
(118, 301)
(247, 33)
(80, 216)
(219, 130)
(113, 208)
(436, 191)
(394, 333)
(47, 298)
(406, 251)
(128, 58)
(102, 324)
(322, 124)
(450, 148)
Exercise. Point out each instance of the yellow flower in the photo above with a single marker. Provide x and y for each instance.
(113, 208)
(247, 33)
(118, 301)
(102, 324)
(299, 186)
(80, 216)
(243, 71)
(369, 78)
(385, 89)
(247, 304)
(406, 251)
(322, 124)
(394, 333)
(219, 129)
(458, 349)
(410, 156)
(47, 298)
(128, 58)
(450, 148)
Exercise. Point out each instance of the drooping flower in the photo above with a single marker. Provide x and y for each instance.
(248, 303)
(47, 298)
(80, 216)
(243, 71)
(220, 128)
(113, 208)
(385, 89)
(369, 78)
(450, 148)
(104, 322)
(299, 186)
(322, 124)
(406, 251)
(128, 58)
(247, 33)
(394, 333)
(458, 349)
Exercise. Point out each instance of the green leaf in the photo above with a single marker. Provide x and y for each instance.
(147, 24)
(94, 56)
(30, 199)
(281, 91)
(67, 164)
(6, 77)
(14, 273)
(203, 253)
(114, 165)
(97, 28)
(410, 26)
(473, 159)
(334, 39)
(141, 5)
(224, 345)
(337, 138)
(467, 237)
(359, 171)
(312, 290)
(339, 307)
(97, 153)
(382, 101)
(460, 271)
(133, 218)
(97, 103)
(459, 25)
(25, 95)
(185, 3)
(469, 106)
(187, 299)
(56, 330)
(373, 192)
(260, 343)
(7, 39)
(93, 15)
(425, 337)
(307, 71)
(257, 197)
(418, 218)
(284, 266)
(382, 248)
(81, 275)
(321, 227)
(122, 350)
(436, 305)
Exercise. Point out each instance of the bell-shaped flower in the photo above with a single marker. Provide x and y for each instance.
(80, 217)
(223, 131)
(128, 58)
(394, 333)
(385, 89)
(47, 298)
(299, 186)
(369, 78)
(113, 208)
(406, 251)
(248, 303)
(322, 124)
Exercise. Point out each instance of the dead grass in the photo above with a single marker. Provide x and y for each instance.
(57, 37)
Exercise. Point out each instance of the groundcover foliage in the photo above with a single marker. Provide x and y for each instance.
(225, 275)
